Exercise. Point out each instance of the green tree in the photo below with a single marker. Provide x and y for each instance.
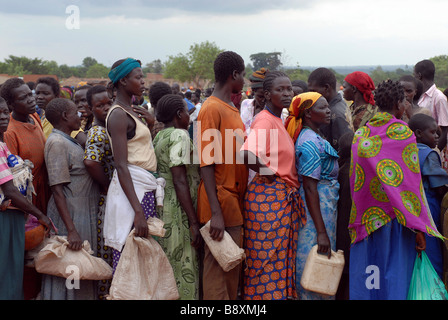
(441, 76)
(97, 70)
(270, 60)
(178, 68)
(155, 66)
(88, 62)
(23, 65)
(297, 73)
(202, 57)
(194, 66)
(249, 70)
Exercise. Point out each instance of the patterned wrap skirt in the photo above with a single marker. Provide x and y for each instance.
(272, 217)
(328, 199)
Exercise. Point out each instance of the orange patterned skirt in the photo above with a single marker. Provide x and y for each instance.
(272, 216)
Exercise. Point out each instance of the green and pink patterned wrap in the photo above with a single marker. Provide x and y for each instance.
(385, 179)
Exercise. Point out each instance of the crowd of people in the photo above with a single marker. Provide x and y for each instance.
(362, 169)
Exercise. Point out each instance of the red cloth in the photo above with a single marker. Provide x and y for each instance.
(363, 83)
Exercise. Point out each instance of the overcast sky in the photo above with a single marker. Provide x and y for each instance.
(308, 33)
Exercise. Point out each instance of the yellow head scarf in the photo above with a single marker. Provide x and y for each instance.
(299, 104)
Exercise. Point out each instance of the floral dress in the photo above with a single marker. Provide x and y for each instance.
(98, 148)
(173, 147)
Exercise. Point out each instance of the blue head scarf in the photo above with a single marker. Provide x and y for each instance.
(123, 69)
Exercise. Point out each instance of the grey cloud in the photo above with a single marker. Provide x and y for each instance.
(151, 9)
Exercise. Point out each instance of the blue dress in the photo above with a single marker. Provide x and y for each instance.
(316, 158)
(433, 176)
(381, 264)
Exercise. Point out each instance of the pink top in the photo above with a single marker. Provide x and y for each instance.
(271, 143)
(434, 100)
(5, 173)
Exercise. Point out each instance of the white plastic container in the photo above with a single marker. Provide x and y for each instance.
(322, 275)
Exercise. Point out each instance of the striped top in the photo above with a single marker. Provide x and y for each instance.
(315, 157)
(5, 173)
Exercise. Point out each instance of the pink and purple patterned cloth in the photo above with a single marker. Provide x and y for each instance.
(385, 179)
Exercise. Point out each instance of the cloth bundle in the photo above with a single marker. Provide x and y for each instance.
(22, 177)
(119, 215)
(58, 260)
(144, 271)
(226, 252)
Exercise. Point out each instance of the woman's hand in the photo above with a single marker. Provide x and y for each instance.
(324, 245)
(74, 240)
(420, 241)
(141, 225)
(196, 237)
(46, 222)
(144, 114)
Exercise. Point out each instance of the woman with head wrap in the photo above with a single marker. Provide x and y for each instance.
(358, 87)
(317, 166)
(390, 214)
(272, 199)
(133, 181)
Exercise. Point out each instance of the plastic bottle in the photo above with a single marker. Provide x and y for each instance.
(12, 160)
(322, 275)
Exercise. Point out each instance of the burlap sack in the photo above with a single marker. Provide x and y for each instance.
(58, 260)
(226, 252)
(144, 271)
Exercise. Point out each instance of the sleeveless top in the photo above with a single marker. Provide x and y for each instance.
(140, 147)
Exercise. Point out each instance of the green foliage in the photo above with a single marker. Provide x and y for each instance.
(270, 60)
(441, 77)
(297, 73)
(155, 66)
(178, 67)
(97, 70)
(19, 66)
(378, 74)
(195, 65)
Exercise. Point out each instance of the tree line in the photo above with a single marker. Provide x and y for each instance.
(196, 66)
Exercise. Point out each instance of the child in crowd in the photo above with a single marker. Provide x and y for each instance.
(74, 202)
(434, 178)
(98, 161)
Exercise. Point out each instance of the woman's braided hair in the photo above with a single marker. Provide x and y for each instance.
(270, 77)
(168, 106)
(388, 94)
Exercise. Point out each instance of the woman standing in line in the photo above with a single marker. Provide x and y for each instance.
(272, 206)
(390, 214)
(175, 153)
(317, 166)
(74, 201)
(12, 222)
(358, 87)
(26, 139)
(130, 198)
